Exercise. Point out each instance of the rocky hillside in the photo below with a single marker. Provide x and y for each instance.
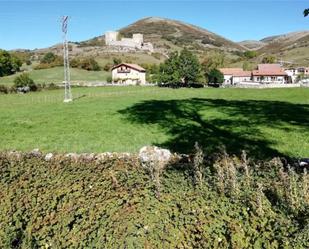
(252, 44)
(291, 47)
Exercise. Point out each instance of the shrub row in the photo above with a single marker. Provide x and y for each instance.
(88, 201)
(36, 87)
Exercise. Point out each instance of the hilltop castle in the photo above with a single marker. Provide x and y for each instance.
(136, 42)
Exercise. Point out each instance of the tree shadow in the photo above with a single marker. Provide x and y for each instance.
(236, 125)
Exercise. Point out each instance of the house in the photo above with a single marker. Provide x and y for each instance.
(297, 73)
(129, 74)
(235, 75)
(270, 73)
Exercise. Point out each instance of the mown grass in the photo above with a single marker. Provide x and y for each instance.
(55, 75)
(266, 123)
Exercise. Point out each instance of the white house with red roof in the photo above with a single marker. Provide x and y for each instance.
(297, 73)
(270, 73)
(129, 74)
(265, 73)
(235, 75)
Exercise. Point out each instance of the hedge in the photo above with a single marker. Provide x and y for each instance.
(88, 201)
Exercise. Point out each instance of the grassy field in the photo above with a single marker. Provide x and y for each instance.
(266, 123)
(55, 75)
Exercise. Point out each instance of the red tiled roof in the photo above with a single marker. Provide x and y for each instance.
(269, 67)
(133, 66)
(269, 70)
(236, 72)
(269, 73)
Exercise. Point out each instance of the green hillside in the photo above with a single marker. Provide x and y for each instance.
(55, 75)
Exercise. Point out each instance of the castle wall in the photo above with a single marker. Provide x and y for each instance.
(136, 42)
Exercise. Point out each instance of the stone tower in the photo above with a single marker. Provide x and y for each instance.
(110, 37)
(138, 38)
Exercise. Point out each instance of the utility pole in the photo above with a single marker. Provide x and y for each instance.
(66, 64)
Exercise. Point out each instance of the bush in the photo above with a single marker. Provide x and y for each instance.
(117, 61)
(24, 80)
(48, 58)
(227, 202)
(215, 76)
(109, 79)
(90, 64)
(250, 54)
(107, 67)
(9, 64)
(4, 89)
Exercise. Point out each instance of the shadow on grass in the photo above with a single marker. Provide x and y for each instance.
(236, 125)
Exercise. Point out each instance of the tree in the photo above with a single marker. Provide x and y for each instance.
(24, 80)
(90, 64)
(246, 66)
(269, 59)
(306, 12)
(48, 58)
(182, 67)
(215, 76)
(250, 54)
(169, 70)
(189, 67)
(212, 62)
(116, 61)
(8, 64)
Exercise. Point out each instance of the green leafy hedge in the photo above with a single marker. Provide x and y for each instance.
(112, 203)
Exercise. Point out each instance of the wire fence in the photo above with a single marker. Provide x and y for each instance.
(52, 97)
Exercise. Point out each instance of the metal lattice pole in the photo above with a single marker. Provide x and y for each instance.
(66, 64)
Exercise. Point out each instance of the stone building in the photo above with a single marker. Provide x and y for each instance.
(136, 42)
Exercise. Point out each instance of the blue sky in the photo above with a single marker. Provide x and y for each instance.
(36, 24)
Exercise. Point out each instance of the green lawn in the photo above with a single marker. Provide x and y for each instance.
(266, 122)
(55, 75)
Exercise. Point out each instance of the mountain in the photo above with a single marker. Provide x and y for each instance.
(281, 43)
(252, 44)
(169, 35)
(166, 33)
(292, 48)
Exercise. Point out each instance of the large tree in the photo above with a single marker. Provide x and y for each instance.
(211, 62)
(215, 76)
(182, 67)
(8, 64)
(189, 67)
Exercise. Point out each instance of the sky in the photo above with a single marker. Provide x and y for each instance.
(36, 24)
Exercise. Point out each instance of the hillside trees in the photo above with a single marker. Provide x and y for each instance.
(9, 64)
(50, 60)
(250, 54)
(269, 59)
(88, 64)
